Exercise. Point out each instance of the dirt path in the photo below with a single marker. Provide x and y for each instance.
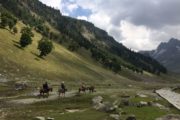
(170, 96)
(53, 96)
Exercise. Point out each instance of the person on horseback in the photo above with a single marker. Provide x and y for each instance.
(63, 86)
(62, 89)
(45, 86)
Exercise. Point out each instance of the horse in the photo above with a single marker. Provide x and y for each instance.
(42, 91)
(62, 92)
(82, 89)
(91, 89)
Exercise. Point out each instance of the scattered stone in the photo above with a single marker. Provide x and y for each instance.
(125, 102)
(142, 104)
(115, 116)
(49, 118)
(74, 110)
(40, 118)
(142, 95)
(160, 106)
(97, 100)
(131, 117)
(108, 107)
(98, 104)
(170, 117)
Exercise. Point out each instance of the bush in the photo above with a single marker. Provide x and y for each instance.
(25, 40)
(28, 31)
(45, 47)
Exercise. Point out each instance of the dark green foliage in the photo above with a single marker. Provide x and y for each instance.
(42, 29)
(28, 31)
(74, 46)
(4, 21)
(25, 40)
(7, 20)
(105, 59)
(45, 46)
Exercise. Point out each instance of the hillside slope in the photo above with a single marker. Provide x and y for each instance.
(60, 65)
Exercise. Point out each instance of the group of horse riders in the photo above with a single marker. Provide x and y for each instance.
(62, 89)
(46, 89)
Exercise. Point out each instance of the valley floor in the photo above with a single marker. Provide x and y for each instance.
(133, 100)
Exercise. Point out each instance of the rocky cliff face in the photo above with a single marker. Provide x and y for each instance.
(168, 54)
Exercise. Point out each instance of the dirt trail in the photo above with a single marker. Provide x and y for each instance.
(53, 96)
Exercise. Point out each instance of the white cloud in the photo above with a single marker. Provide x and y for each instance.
(82, 18)
(138, 24)
(52, 3)
(136, 37)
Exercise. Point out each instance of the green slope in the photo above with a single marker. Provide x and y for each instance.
(60, 65)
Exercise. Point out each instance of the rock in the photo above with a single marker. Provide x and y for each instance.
(40, 118)
(115, 116)
(49, 118)
(170, 117)
(108, 107)
(124, 102)
(142, 95)
(131, 117)
(98, 104)
(160, 106)
(143, 103)
(97, 100)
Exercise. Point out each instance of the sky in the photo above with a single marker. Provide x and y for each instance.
(138, 24)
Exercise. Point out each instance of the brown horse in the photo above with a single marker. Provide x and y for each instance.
(91, 89)
(62, 92)
(82, 89)
(42, 92)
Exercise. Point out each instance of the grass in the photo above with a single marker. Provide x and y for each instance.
(56, 108)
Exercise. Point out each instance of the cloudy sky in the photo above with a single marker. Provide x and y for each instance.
(138, 24)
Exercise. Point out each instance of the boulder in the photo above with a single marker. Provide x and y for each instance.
(124, 102)
(97, 100)
(115, 116)
(131, 117)
(98, 104)
(142, 104)
(109, 107)
(40, 118)
(49, 118)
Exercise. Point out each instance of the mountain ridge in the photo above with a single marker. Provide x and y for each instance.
(167, 53)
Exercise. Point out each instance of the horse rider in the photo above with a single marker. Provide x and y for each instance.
(63, 86)
(45, 86)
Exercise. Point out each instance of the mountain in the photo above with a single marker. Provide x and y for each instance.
(168, 54)
(78, 35)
